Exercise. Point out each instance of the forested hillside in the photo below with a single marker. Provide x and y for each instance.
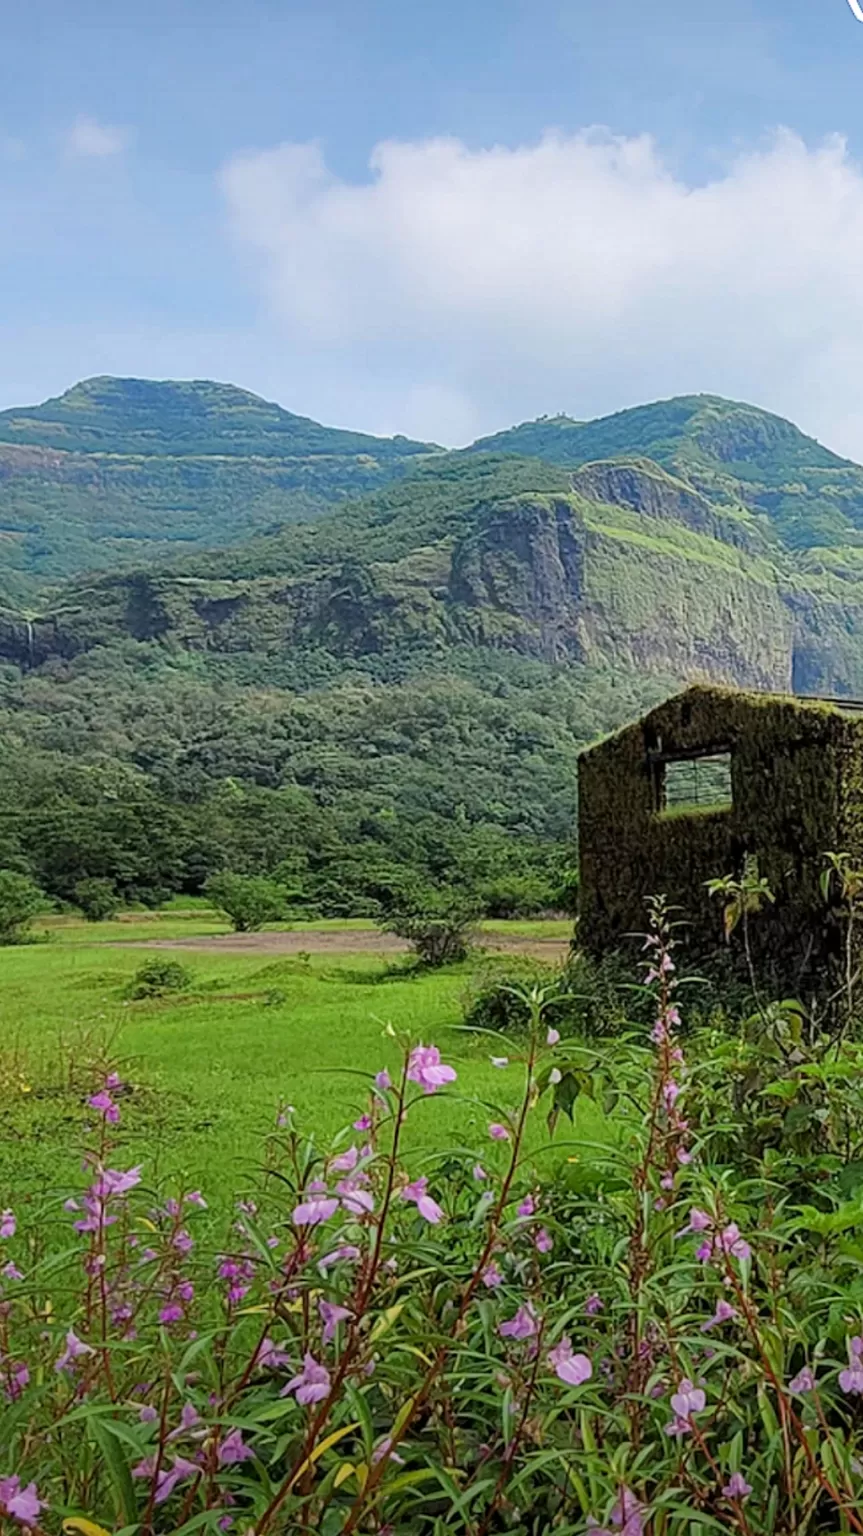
(361, 690)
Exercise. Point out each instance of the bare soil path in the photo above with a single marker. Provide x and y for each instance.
(350, 941)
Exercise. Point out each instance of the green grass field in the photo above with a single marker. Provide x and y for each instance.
(213, 1065)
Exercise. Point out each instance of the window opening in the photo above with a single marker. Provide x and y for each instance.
(699, 782)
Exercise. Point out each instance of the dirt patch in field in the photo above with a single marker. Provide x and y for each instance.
(351, 941)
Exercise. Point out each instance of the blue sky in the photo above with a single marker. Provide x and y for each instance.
(442, 218)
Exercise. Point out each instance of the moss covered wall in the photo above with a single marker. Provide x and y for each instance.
(797, 780)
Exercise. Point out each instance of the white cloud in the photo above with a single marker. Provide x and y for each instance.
(461, 290)
(89, 138)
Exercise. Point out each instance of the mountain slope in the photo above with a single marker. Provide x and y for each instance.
(119, 468)
(737, 454)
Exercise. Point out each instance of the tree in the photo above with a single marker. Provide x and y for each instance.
(20, 900)
(97, 898)
(438, 924)
(248, 901)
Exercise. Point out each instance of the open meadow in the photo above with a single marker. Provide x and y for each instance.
(282, 1018)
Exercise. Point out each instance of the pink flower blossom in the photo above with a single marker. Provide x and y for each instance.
(270, 1357)
(147, 1414)
(685, 1402)
(355, 1199)
(346, 1254)
(233, 1449)
(75, 1350)
(105, 1105)
(732, 1243)
(723, 1314)
(385, 1448)
(182, 1241)
(309, 1212)
(594, 1304)
(383, 1081)
(699, 1221)
(11, 1271)
(15, 1378)
(572, 1369)
(427, 1207)
(112, 1182)
(8, 1224)
(737, 1487)
(21, 1504)
(804, 1381)
(426, 1068)
(196, 1198)
(479, 1172)
(671, 1093)
(172, 1312)
(498, 1132)
(312, 1384)
(363, 1124)
(522, 1326)
(527, 1206)
(167, 1477)
(543, 1241)
(491, 1276)
(331, 1315)
(346, 1161)
(553, 1037)
(851, 1380)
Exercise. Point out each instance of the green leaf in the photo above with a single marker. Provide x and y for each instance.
(118, 1469)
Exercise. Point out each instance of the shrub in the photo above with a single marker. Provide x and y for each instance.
(20, 900)
(513, 896)
(388, 1340)
(497, 997)
(438, 925)
(248, 901)
(97, 899)
(159, 978)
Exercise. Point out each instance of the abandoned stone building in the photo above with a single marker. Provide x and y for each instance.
(702, 783)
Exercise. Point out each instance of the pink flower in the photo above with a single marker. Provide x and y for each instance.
(355, 1199)
(183, 1241)
(233, 1449)
(723, 1314)
(385, 1448)
(686, 1401)
(346, 1254)
(851, 1380)
(105, 1105)
(363, 1124)
(553, 1037)
(699, 1221)
(196, 1198)
(309, 1212)
(75, 1350)
(498, 1132)
(426, 1068)
(172, 1312)
(479, 1172)
(383, 1081)
(427, 1207)
(332, 1314)
(527, 1206)
(312, 1384)
(147, 1414)
(732, 1243)
(169, 1477)
(491, 1276)
(671, 1093)
(15, 1377)
(11, 1271)
(594, 1304)
(572, 1369)
(21, 1504)
(346, 1161)
(737, 1487)
(522, 1326)
(543, 1241)
(804, 1381)
(270, 1357)
(8, 1224)
(112, 1182)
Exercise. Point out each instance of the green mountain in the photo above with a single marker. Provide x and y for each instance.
(737, 455)
(119, 469)
(398, 685)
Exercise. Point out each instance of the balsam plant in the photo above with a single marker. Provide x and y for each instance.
(454, 1342)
